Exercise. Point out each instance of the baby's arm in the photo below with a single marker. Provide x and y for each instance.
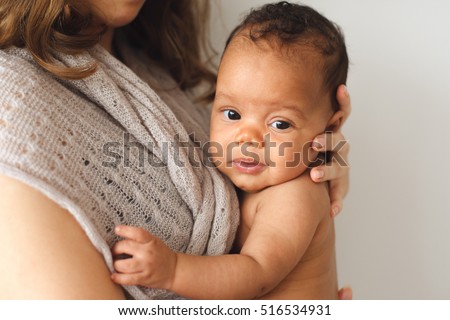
(281, 232)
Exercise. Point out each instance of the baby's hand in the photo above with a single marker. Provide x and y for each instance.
(152, 263)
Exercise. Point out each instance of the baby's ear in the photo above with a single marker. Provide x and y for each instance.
(335, 122)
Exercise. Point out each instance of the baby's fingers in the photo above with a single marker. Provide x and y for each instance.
(129, 266)
(134, 233)
(126, 279)
(126, 247)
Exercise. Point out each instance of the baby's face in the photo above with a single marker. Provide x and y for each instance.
(266, 112)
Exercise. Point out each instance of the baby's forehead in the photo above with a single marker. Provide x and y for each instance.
(297, 54)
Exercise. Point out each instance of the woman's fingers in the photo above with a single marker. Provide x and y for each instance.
(336, 143)
(331, 141)
(343, 98)
(331, 171)
(345, 293)
(338, 190)
(338, 178)
(335, 171)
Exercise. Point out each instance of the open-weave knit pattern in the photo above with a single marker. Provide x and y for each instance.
(107, 148)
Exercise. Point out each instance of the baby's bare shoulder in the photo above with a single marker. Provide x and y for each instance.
(300, 187)
(299, 193)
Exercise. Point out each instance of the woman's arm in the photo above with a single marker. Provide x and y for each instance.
(337, 171)
(45, 253)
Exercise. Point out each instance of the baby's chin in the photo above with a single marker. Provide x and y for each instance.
(250, 188)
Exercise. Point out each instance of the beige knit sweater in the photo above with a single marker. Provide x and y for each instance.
(111, 151)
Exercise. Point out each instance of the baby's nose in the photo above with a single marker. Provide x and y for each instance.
(250, 135)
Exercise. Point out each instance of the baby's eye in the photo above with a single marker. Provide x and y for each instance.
(280, 125)
(231, 115)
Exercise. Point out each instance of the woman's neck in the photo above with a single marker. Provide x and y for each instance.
(107, 40)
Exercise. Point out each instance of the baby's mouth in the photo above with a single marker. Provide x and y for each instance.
(248, 165)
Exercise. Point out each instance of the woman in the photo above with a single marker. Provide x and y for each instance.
(87, 144)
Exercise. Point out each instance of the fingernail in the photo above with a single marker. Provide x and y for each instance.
(336, 211)
(346, 293)
(318, 174)
(318, 143)
(117, 228)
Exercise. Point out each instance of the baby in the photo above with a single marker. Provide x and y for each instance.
(276, 91)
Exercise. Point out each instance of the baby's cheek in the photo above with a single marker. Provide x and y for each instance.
(284, 155)
(288, 163)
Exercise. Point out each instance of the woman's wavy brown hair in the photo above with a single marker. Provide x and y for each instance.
(172, 32)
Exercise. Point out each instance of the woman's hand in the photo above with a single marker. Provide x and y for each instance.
(336, 171)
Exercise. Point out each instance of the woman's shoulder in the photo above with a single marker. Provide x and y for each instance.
(27, 91)
(47, 235)
(16, 64)
(21, 78)
(33, 104)
(32, 99)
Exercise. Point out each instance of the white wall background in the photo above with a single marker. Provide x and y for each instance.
(393, 238)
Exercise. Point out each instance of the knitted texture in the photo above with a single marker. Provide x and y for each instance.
(111, 150)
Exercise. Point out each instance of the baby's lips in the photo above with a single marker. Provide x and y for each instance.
(249, 166)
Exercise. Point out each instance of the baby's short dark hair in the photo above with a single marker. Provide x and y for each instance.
(291, 25)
